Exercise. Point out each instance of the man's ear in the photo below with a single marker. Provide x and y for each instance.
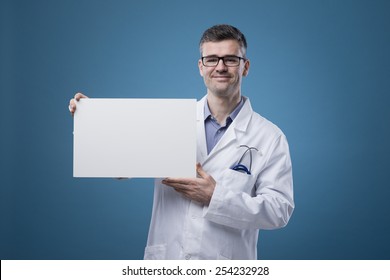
(246, 68)
(200, 66)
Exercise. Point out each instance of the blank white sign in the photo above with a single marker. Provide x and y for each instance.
(153, 138)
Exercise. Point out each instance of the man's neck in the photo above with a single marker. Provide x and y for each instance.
(221, 107)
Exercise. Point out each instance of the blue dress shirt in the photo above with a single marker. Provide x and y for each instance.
(214, 131)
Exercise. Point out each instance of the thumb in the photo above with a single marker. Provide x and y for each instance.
(200, 171)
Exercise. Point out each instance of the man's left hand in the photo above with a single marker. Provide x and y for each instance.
(199, 189)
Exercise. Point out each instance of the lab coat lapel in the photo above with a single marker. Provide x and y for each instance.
(229, 136)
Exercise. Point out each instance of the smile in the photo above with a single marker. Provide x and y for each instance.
(221, 77)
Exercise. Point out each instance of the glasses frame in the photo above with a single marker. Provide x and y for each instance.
(223, 60)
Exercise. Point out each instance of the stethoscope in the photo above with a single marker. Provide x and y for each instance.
(241, 167)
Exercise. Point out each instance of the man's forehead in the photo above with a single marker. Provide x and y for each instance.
(226, 46)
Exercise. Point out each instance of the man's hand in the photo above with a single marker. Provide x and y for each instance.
(199, 189)
(72, 102)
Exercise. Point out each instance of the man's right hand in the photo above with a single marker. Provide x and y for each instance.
(74, 100)
(72, 109)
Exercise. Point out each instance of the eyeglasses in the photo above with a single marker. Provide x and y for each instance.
(229, 61)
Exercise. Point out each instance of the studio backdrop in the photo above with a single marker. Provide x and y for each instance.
(319, 70)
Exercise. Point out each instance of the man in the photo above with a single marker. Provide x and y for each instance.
(244, 172)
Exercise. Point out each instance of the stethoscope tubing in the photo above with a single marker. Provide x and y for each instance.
(239, 166)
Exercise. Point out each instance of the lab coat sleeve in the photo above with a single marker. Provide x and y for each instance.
(269, 205)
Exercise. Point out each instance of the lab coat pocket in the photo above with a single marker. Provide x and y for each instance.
(156, 252)
(238, 182)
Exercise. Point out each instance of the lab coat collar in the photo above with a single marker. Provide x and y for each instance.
(235, 130)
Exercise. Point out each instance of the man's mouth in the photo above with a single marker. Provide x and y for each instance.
(221, 77)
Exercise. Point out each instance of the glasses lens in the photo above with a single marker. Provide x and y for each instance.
(231, 60)
(210, 61)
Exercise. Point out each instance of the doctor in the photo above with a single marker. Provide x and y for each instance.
(244, 172)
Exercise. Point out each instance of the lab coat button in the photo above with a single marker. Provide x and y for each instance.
(187, 257)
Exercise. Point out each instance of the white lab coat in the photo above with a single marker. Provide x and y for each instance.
(241, 204)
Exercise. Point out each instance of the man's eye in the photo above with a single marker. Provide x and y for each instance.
(212, 59)
(231, 59)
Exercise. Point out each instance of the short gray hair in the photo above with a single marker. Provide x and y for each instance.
(221, 32)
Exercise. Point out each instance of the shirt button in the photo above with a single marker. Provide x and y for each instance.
(187, 257)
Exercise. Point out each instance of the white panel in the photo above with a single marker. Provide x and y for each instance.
(135, 138)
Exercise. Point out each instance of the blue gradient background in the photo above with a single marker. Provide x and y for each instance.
(320, 70)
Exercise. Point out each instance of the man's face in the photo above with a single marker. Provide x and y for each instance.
(221, 80)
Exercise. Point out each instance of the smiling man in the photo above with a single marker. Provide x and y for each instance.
(244, 172)
(244, 180)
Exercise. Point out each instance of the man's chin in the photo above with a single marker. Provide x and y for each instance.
(221, 92)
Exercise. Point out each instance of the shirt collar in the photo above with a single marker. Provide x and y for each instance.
(232, 115)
